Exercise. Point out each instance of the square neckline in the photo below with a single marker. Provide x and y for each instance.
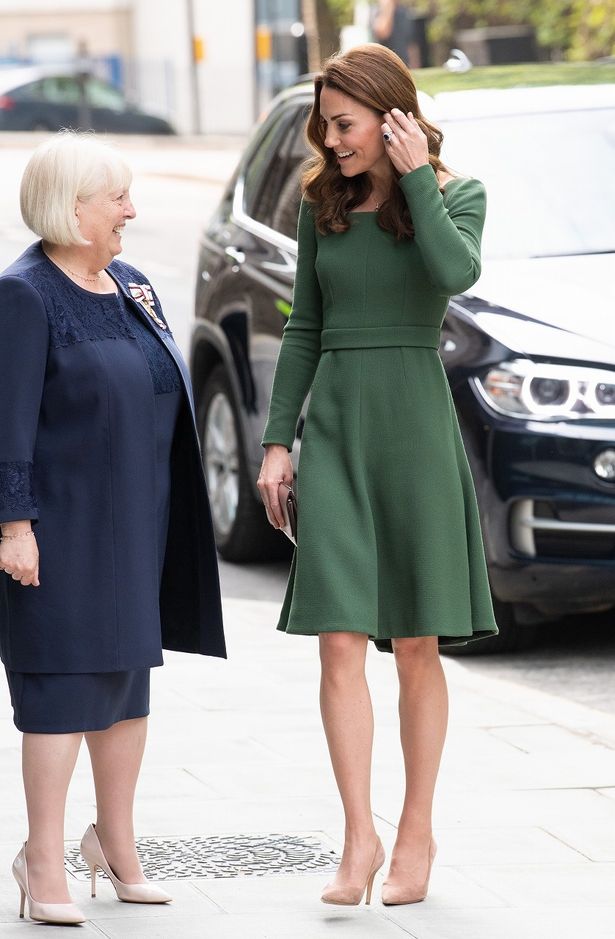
(456, 179)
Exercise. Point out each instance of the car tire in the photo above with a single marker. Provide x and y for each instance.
(512, 637)
(241, 528)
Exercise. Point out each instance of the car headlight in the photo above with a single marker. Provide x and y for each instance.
(522, 388)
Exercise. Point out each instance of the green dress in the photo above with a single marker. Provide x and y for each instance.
(389, 540)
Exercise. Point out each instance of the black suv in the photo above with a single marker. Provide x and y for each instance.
(529, 351)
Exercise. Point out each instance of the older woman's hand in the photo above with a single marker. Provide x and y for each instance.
(406, 142)
(277, 469)
(19, 556)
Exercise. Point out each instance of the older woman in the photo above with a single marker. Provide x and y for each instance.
(107, 552)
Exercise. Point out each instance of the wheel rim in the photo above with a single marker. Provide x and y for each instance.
(222, 462)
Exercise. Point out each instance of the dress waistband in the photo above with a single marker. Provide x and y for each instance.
(374, 337)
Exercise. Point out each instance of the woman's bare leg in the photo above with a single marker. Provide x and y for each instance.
(48, 761)
(116, 756)
(423, 713)
(349, 727)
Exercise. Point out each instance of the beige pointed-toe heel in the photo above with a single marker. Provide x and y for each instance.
(351, 895)
(93, 855)
(399, 894)
(59, 914)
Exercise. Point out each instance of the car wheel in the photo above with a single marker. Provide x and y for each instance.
(240, 525)
(511, 638)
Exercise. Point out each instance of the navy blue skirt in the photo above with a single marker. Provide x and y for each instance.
(67, 704)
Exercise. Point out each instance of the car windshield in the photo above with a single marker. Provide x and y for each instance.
(549, 178)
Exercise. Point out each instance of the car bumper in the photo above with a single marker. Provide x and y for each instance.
(549, 520)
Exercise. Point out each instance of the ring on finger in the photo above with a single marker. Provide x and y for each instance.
(388, 136)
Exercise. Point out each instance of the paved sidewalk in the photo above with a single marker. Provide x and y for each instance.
(525, 813)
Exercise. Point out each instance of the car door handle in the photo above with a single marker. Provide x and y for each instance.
(235, 254)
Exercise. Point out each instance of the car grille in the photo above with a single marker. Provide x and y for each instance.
(545, 529)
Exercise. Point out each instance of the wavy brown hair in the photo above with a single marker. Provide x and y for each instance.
(378, 79)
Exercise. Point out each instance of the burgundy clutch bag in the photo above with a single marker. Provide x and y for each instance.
(289, 511)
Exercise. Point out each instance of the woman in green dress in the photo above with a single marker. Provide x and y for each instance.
(389, 543)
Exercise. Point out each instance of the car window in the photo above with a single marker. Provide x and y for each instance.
(33, 91)
(101, 95)
(60, 89)
(284, 193)
(264, 168)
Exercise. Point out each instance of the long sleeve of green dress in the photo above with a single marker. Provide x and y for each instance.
(448, 236)
(300, 350)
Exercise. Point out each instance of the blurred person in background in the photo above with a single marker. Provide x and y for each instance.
(394, 26)
(106, 552)
(389, 544)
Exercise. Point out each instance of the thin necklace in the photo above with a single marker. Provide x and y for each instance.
(87, 280)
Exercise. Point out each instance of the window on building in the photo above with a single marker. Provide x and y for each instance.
(51, 48)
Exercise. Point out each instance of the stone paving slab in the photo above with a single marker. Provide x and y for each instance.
(525, 807)
(581, 923)
(554, 886)
(262, 926)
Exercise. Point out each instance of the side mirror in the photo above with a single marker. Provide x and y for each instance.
(457, 61)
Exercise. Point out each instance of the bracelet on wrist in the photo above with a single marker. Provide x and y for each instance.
(21, 534)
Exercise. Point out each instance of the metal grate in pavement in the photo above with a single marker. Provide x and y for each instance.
(223, 856)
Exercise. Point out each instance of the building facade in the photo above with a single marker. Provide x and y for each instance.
(209, 66)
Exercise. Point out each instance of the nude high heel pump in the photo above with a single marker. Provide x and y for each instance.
(352, 896)
(398, 894)
(93, 855)
(65, 914)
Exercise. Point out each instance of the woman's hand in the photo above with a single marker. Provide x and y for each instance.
(19, 554)
(277, 469)
(407, 146)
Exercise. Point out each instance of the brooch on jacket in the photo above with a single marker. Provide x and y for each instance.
(143, 294)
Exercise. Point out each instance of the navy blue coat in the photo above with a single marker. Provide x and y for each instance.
(77, 456)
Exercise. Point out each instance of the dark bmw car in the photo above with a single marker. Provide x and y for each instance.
(49, 98)
(529, 350)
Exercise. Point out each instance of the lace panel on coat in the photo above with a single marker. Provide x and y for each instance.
(76, 316)
(16, 488)
(163, 369)
(79, 316)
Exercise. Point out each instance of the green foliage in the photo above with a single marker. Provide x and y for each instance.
(592, 29)
(575, 29)
(341, 11)
(447, 16)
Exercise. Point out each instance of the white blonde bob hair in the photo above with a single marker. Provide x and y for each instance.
(70, 168)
